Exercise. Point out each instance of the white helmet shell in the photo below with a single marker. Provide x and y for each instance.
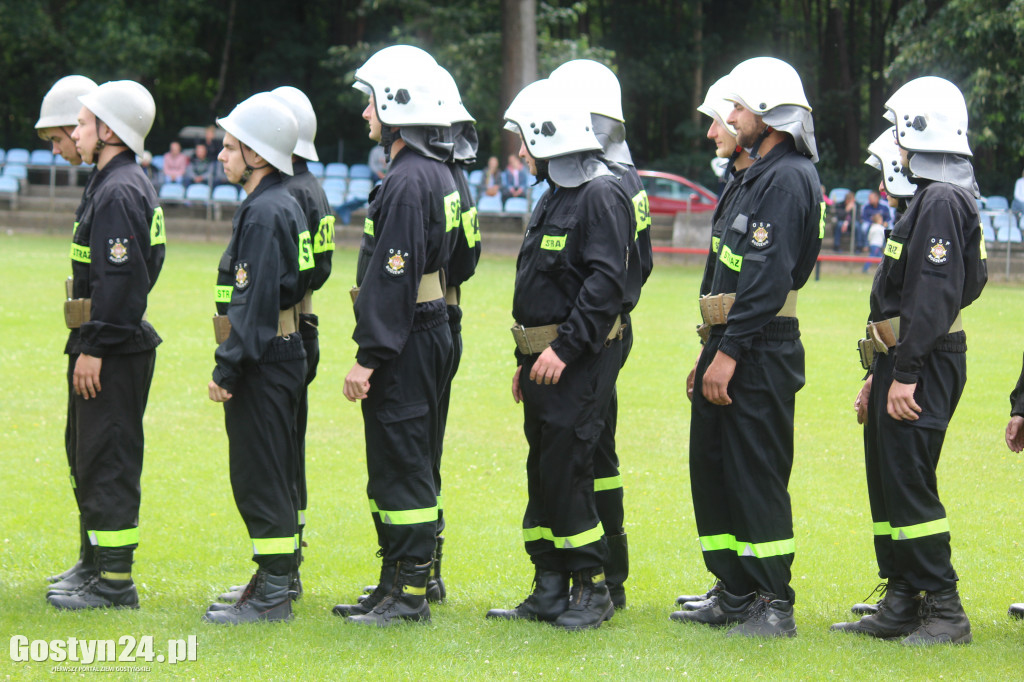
(716, 105)
(302, 110)
(406, 87)
(457, 112)
(594, 84)
(550, 122)
(885, 156)
(126, 107)
(60, 105)
(930, 116)
(763, 83)
(266, 125)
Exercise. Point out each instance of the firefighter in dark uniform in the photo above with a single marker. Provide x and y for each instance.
(752, 365)
(1015, 441)
(404, 352)
(260, 360)
(934, 264)
(307, 191)
(596, 84)
(117, 252)
(58, 116)
(737, 161)
(571, 284)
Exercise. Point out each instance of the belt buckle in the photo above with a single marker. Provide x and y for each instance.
(526, 339)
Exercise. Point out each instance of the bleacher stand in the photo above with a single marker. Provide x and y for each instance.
(360, 171)
(488, 204)
(336, 170)
(517, 205)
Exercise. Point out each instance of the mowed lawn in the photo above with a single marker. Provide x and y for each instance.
(193, 543)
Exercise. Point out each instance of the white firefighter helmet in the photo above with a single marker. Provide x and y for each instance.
(457, 112)
(885, 156)
(716, 105)
(60, 104)
(266, 125)
(302, 110)
(126, 107)
(550, 122)
(592, 83)
(406, 86)
(930, 116)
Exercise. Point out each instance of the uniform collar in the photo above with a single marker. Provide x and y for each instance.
(123, 159)
(761, 165)
(269, 180)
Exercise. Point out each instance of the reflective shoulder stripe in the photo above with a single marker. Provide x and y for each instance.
(324, 235)
(81, 253)
(368, 227)
(114, 538)
(471, 226)
(983, 253)
(222, 293)
(451, 211)
(157, 233)
(715, 241)
(642, 208)
(553, 242)
(609, 483)
(821, 222)
(893, 249)
(273, 545)
(564, 542)
(305, 251)
(731, 260)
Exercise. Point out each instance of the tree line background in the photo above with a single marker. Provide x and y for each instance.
(201, 57)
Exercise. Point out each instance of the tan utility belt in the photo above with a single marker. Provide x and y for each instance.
(287, 323)
(430, 288)
(714, 310)
(78, 311)
(881, 336)
(452, 295)
(306, 304)
(533, 340)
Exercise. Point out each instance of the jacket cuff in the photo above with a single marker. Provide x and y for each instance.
(565, 352)
(95, 351)
(731, 347)
(225, 379)
(366, 360)
(904, 377)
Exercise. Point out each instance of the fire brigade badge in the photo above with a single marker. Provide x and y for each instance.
(760, 237)
(117, 250)
(242, 278)
(938, 253)
(395, 264)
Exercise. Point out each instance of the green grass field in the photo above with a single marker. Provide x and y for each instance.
(194, 543)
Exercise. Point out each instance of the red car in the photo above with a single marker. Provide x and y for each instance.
(670, 194)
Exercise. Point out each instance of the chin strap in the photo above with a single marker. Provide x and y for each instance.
(388, 135)
(100, 144)
(249, 168)
(754, 156)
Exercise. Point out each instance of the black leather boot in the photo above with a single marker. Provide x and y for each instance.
(1016, 611)
(766, 617)
(943, 620)
(617, 569)
(866, 608)
(110, 587)
(407, 601)
(550, 597)
(266, 598)
(896, 617)
(381, 590)
(85, 565)
(722, 608)
(436, 592)
(589, 601)
(692, 602)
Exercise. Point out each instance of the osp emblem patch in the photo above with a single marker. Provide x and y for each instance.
(395, 264)
(938, 253)
(117, 250)
(242, 278)
(761, 236)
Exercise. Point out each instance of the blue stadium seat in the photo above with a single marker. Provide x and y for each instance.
(158, 162)
(18, 155)
(838, 194)
(986, 228)
(316, 168)
(996, 203)
(489, 204)
(334, 184)
(476, 177)
(41, 157)
(335, 196)
(225, 193)
(16, 170)
(8, 185)
(3, 155)
(198, 192)
(360, 187)
(861, 196)
(336, 170)
(517, 205)
(360, 171)
(172, 191)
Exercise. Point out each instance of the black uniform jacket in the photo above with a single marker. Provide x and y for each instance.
(411, 227)
(265, 269)
(637, 275)
(771, 235)
(1017, 397)
(117, 251)
(572, 266)
(732, 186)
(319, 219)
(934, 264)
(464, 258)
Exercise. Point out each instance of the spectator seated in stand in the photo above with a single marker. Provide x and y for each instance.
(175, 164)
(201, 168)
(867, 214)
(1017, 206)
(513, 179)
(490, 182)
(151, 171)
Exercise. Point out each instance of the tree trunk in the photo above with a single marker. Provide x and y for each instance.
(518, 56)
(225, 57)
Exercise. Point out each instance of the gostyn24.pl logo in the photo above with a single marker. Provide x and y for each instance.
(126, 649)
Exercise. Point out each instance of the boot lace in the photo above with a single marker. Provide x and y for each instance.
(880, 590)
(928, 609)
(758, 609)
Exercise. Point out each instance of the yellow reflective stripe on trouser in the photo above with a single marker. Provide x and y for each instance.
(114, 538)
(71, 475)
(81, 253)
(222, 294)
(918, 530)
(609, 483)
(760, 550)
(404, 517)
(305, 251)
(452, 212)
(731, 260)
(440, 503)
(585, 538)
(262, 546)
(157, 233)
(324, 240)
(301, 517)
